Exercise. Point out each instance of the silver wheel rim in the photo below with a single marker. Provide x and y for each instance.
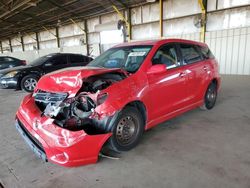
(126, 131)
(30, 84)
(211, 95)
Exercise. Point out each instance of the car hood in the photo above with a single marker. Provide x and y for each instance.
(18, 68)
(70, 80)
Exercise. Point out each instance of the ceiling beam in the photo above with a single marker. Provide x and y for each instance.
(15, 8)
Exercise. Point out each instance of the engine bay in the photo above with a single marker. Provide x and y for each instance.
(78, 113)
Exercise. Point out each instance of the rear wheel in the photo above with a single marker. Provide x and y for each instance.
(210, 97)
(28, 83)
(127, 130)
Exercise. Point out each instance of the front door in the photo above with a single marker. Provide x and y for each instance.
(168, 90)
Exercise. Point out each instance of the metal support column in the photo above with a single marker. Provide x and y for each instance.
(37, 42)
(161, 18)
(86, 35)
(130, 25)
(1, 46)
(11, 50)
(204, 18)
(22, 43)
(57, 37)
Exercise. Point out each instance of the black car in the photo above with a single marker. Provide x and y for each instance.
(26, 77)
(9, 62)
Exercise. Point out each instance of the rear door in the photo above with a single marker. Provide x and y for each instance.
(194, 69)
(168, 89)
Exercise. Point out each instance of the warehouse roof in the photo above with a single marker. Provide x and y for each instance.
(18, 16)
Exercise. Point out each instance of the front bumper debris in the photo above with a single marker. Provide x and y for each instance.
(59, 145)
(31, 141)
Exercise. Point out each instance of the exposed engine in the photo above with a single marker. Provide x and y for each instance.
(78, 113)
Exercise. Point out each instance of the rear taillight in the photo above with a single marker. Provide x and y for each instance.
(24, 62)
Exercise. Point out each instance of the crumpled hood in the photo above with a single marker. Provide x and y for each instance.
(70, 80)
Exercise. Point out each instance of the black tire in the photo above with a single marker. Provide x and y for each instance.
(32, 79)
(210, 97)
(124, 138)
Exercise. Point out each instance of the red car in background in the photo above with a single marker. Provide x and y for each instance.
(129, 88)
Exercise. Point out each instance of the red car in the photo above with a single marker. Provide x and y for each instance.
(128, 89)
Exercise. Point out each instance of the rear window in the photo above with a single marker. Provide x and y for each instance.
(6, 59)
(189, 53)
(206, 53)
(40, 60)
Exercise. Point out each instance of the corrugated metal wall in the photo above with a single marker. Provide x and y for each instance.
(232, 49)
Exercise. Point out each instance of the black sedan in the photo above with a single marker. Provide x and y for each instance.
(26, 77)
(9, 62)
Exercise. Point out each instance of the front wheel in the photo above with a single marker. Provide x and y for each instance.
(28, 83)
(210, 97)
(127, 130)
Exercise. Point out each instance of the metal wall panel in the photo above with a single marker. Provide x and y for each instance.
(179, 8)
(91, 23)
(180, 26)
(227, 19)
(189, 36)
(71, 30)
(222, 4)
(146, 31)
(136, 15)
(231, 49)
(150, 13)
(73, 41)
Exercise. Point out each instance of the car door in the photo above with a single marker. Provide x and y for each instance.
(167, 89)
(195, 70)
(55, 63)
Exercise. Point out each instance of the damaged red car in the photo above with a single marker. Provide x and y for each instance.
(128, 89)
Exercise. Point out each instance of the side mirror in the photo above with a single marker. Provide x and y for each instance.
(156, 69)
(47, 64)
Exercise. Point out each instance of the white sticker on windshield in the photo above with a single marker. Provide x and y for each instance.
(136, 53)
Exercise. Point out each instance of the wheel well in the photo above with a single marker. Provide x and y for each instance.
(214, 81)
(141, 107)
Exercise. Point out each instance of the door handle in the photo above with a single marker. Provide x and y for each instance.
(182, 74)
(205, 68)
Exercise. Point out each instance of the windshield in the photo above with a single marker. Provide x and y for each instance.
(40, 60)
(129, 58)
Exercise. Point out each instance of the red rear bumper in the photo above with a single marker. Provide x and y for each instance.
(51, 142)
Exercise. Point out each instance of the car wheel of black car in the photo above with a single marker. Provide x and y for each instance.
(28, 83)
(127, 130)
(210, 97)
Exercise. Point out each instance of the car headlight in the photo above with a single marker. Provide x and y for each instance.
(10, 74)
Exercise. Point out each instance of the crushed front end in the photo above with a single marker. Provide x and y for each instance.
(68, 129)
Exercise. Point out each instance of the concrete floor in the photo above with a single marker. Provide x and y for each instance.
(198, 149)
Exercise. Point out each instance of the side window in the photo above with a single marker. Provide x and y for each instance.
(77, 59)
(189, 53)
(206, 53)
(166, 55)
(59, 60)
